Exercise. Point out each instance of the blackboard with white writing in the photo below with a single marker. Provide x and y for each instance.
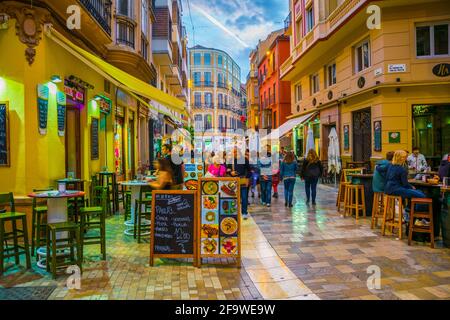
(173, 224)
(4, 135)
(94, 139)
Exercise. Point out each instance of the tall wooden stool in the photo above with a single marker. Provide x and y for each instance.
(39, 222)
(14, 235)
(145, 201)
(341, 195)
(355, 200)
(420, 227)
(377, 208)
(73, 242)
(392, 218)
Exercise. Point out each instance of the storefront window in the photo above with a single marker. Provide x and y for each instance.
(118, 147)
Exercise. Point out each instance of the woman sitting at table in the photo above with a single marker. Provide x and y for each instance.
(164, 179)
(397, 179)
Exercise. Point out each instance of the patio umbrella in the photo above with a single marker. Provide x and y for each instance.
(310, 141)
(334, 155)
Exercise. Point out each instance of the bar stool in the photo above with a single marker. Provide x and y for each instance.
(377, 208)
(54, 244)
(14, 235)
(341, 195)
(353, 201)
(422, 215)
(145, 201)
(108, 179)
(39, 223)
(94, 218)
(391, 217)
(127, 206)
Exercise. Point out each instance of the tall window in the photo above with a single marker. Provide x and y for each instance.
(298, 93)
(220, 81)
(298, 30)
(144, 17)
(362, 56)
(197, 59)
(220, 122)
(314, 83)
(220, 99)
(208, 79)
(432, 40)
(208, 99)
(197, 79)
(125, 8)
(208, 122)
(197, 99)
(198, 122)
(125, 33)
(207, 58)
(220, 61)
(309, 19)
(331, 74)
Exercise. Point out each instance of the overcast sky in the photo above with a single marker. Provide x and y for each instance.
(234, 26)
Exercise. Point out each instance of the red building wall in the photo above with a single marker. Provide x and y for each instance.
(280, 104)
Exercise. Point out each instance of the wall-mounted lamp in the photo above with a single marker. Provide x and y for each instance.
(56, 79)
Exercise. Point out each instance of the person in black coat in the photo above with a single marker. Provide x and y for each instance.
(312, 170)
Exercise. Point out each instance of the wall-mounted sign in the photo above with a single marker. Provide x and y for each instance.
(377, 135)
(61, 108)
(442, 70)
(43, 94)
(394, 137)
(94, 139)
(396, 68)
(4, 134)
(72, 91)
(104, 104)
(378, 72)
(361, 82)
(346, 137)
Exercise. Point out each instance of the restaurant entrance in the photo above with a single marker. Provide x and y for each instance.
(73, 147)
(431, 131)
(362, 135)
(131, 146)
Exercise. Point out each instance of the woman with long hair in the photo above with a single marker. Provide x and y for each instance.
(311, 172)
(165, 178)
(288, 172)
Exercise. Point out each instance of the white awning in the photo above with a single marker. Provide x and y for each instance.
(286, 127)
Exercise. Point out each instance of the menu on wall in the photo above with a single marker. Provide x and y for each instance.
(61, 108)
(220, 218)
(94, 139)
(377, 135)
(43, 94)
(192, 172)
(174, 225)
(4, 135)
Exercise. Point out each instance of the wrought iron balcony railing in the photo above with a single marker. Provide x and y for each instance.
(101, 11)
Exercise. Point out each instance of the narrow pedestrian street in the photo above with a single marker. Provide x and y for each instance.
(306, 253)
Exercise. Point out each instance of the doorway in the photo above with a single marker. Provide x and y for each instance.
(131, 146)
(362, 135)
(73, 145)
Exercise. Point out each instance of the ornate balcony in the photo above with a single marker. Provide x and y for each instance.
(100, 11)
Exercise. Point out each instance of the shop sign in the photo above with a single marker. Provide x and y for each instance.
(104, 104)
(377, 135)
(43, 94)
(346, 137)
(396, 68)
(394, 137)
(442, 70)
(61, 109)
(74, 93)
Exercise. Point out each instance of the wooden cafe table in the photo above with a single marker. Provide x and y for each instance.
(56, 212)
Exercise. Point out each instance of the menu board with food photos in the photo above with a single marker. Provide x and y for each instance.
(192, 172)
(220, 218)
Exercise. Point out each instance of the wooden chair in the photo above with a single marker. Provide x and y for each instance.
(421, 215)
(145, 201)
(7, 199)
(377, 208)
(355, 200)
(393, 214)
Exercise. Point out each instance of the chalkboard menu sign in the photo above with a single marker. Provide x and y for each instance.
(4, 135)
(43, 94)
(61, 106)
(94, 139)
(377, 135)
(174, 218)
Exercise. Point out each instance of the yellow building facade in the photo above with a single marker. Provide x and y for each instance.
(103, 125)
(383, 87)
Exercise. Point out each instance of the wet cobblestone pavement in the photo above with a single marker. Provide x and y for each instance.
(300, 253)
